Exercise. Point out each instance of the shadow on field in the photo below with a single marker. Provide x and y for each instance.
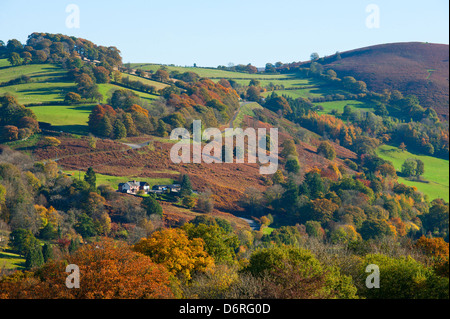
(73, 129)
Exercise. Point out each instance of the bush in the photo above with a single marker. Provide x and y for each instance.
(50, 141)
(327, 150)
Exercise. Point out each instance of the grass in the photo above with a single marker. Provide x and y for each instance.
(24, 144)
(39, 92)
(114, 181)
(339, 105)
(67, 118)
(37, 72)
(9, 260)
(436, 171)
(106, 90)
(208, 72)
(48, 83)
(246, 109)
(156, 84)
(4, 63)
(267, 230)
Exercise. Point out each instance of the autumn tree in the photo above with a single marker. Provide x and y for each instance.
(253, 94)
(161, 76)
(72, 98)
(101, 74)
(108, 270)
(173, 249)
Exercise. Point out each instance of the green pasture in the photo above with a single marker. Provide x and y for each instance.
(156, 84)
(436, 171)
(9, 260)
(208, 72)
(114, 181)
(328, 107)
(67, 118)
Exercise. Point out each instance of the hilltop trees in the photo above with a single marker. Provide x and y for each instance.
(118, 123)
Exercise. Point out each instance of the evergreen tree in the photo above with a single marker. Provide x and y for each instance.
(47, 252)
(90, 177)
(292, 165)
(152, 206)
(34, 257)
(120, 130)
(186, 187)
(74, 245)
(161, 128)
(104, 127)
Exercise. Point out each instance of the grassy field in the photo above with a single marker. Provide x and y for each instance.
(39, 92)
(48, 83)
(9, 260)
(106, 90)
(156, 84)
(339, 105)
(436, 171)
(114, 181)
(4, 63)
(208, 72)
(67, 118)
(37, 72)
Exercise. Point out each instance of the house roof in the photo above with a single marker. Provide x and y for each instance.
(134, 183)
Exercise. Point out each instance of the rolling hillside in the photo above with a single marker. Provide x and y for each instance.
(415, 68)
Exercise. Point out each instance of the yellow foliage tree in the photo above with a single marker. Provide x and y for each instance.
(173, 249)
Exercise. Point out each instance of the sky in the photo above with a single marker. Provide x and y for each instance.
(219, 32)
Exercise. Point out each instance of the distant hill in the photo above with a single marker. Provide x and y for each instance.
(415, 68)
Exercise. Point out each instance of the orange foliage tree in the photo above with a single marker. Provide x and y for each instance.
(108, 270)
(438, 250)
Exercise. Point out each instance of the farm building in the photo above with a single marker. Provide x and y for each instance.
(174, 188)
(132, 187)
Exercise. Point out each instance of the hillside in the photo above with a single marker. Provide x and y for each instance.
(415, 68)
(88, 153)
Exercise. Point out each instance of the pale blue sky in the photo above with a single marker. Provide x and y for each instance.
(217, 32)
